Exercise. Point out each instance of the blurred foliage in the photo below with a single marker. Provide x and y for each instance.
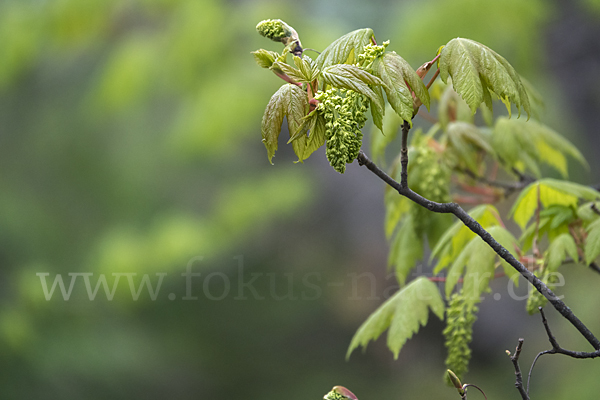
(128, 144)
(497, 24)
(119, 156)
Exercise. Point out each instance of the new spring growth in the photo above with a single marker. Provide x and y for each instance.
(344, 119)
(279, 31)
(456, 382)
(340, 393)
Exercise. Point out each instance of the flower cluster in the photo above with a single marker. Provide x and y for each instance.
(370, 53)
(334, 396)
(460, 316)
(429, 176)
(343, 111)
(274, 29)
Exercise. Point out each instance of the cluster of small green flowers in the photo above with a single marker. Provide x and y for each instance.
(429, 177)
(535, 299)
(433, 177)
(343, 111)
(371, 52)
(333, 395)
(273, 29)
(460, 316)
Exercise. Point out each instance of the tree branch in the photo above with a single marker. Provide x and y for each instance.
(533, 365)
(519, 377)
(460, 213)
(404, 156)
(556, 349)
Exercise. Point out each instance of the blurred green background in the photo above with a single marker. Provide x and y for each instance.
(130, 143)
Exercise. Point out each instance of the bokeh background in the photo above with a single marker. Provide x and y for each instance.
(130, 143)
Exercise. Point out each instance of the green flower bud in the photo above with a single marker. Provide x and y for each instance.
(370, 53)
(340, 393)
(274, 29)
(279, 31)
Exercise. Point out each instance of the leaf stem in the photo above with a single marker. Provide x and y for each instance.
(424, 69)
(286, 78)
(435, 75)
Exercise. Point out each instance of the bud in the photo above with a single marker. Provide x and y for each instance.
(454, 379)
(340, 393)
(279, 31)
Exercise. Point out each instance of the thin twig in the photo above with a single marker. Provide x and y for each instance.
(427, 117)
(472, 224)
(509, 187)
(519, 377)
(556, 349)
(551, 337)
(541, 353)
(467, 385)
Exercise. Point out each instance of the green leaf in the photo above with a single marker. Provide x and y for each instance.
(509, 242)
(475, 69)
(558, 250)
(560, 215)
(307, 67)
(316, 136)
(592, 242)
(514, 140)
(586, 211)
(287, 69)
(345, 49)
(305, 71)
(406, 249)
(289, 101)
(400, 79)
(572, 188)
(452, 107)
(458, 235)
(479, 259)
(466, 141)
(535, 98)
(533, 231)
(403, 314)
(352, 72)
(377, 112)
(396, 207)
(265, 58)
(353, 78)
(551, 192)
